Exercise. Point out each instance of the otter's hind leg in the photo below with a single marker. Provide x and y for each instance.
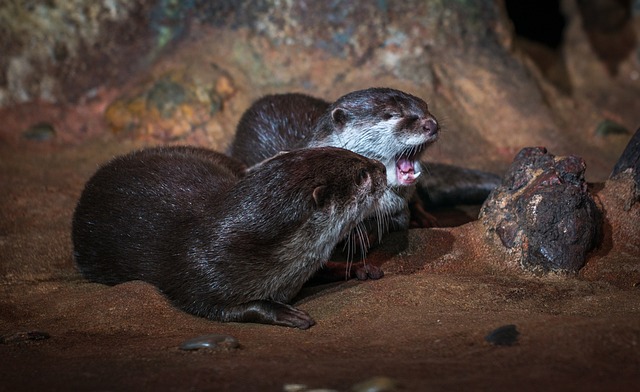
(267, 312)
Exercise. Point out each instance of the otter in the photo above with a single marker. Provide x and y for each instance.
(380, 123)
(217, 240)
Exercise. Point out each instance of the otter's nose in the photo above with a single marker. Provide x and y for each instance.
(430, 126)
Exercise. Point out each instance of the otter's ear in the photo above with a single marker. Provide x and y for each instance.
(340, 117)
(320, 194)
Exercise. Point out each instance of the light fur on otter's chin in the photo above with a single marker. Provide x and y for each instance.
(376, 142)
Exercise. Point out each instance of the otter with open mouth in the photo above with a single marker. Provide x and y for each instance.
(388, 125)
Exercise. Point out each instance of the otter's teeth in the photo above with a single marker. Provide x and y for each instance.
(406, 171)
(417, 169)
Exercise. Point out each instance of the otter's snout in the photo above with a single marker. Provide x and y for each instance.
(430, 126)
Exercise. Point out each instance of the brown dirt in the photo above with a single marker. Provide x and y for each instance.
(422, 325)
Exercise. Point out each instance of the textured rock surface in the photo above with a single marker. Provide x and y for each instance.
(180, 104)
(63, 51)
(629, 165)
(542, 213)
(461, 57)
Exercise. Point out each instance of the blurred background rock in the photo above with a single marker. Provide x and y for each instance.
(500, 75)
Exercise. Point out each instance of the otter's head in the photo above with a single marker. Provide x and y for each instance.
(330, 189)
(384, 124)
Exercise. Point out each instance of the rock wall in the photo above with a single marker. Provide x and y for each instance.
(173, 71)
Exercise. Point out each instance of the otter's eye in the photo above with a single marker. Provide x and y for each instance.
(362, 176)
(387, 116)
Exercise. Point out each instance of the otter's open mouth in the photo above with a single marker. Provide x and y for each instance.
(407, 171)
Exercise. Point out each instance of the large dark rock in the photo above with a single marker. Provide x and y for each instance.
(629, 162)
(543, 213)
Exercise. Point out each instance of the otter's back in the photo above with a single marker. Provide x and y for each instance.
(276, 123)
(128, 220)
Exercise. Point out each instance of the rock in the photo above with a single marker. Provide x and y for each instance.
(22, 336)
(304, 388)
(41, 132)
(375, 384)
(57, 51)
(630, 162)
(507, 335)
(174, 106)
(294, 388)
(543, 213)
(210, 342)
(609, 25)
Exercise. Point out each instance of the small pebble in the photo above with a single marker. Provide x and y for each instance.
(321, 390)
(294, 388)
(22, 336)
(210, 342)
(507, 335)
(41, 132)
(375, 384)
(304, 388)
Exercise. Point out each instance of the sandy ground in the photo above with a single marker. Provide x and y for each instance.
(422, 326)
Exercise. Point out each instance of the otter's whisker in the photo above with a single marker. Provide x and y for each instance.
(381, 220)
(347, 269)
(364, 237)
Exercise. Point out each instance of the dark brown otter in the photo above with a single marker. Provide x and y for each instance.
(219, 243)
(380, 123)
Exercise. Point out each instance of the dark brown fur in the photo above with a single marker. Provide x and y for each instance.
(216, 242)
(380, 123)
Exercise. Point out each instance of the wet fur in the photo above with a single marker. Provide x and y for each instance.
(218, 241)
(379, 123)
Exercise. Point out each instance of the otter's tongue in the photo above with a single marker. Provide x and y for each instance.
(405, 172)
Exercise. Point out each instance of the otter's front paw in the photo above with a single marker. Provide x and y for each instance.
(368, 271)
(289, 316)
(268, 312)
